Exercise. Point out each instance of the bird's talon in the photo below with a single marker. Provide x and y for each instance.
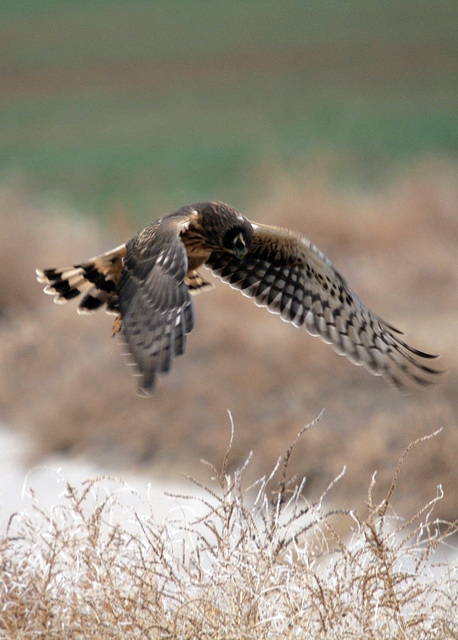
(117, 324)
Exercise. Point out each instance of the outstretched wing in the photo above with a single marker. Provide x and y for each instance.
(154, 299)
(287, 274)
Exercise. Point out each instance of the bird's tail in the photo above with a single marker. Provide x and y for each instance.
(97, 278)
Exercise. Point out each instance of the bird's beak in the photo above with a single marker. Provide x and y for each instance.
(239, 247)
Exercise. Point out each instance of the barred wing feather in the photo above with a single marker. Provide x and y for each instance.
(287, 274)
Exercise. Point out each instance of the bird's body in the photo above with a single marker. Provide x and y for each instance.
(148, 283)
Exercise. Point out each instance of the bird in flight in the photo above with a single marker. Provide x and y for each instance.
(149, 281)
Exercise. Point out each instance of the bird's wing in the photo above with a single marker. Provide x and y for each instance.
(154, 299)
(287, 274)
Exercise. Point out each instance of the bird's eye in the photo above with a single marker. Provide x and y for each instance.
(239, 246)
(235, 242)
(230, 236)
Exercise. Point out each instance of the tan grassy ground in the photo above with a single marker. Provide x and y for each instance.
(260, 563)
(63, 381)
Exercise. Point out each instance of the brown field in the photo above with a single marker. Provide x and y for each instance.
(62, 379)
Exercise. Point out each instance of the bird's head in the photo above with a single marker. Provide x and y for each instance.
(238, 240)
(226, 228)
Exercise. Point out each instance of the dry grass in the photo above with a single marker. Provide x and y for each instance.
(262, 562)
(63, 381)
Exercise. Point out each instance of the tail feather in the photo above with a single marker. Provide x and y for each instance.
(95, 299)
(97, 278)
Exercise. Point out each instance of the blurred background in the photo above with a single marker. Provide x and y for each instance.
(336, 119)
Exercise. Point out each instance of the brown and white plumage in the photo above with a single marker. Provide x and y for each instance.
(149, 282)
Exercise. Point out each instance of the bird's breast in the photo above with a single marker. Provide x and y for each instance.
(196, 250)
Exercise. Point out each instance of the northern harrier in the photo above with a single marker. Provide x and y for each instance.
(148, 283)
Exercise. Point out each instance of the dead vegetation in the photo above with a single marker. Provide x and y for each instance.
(262, 562)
